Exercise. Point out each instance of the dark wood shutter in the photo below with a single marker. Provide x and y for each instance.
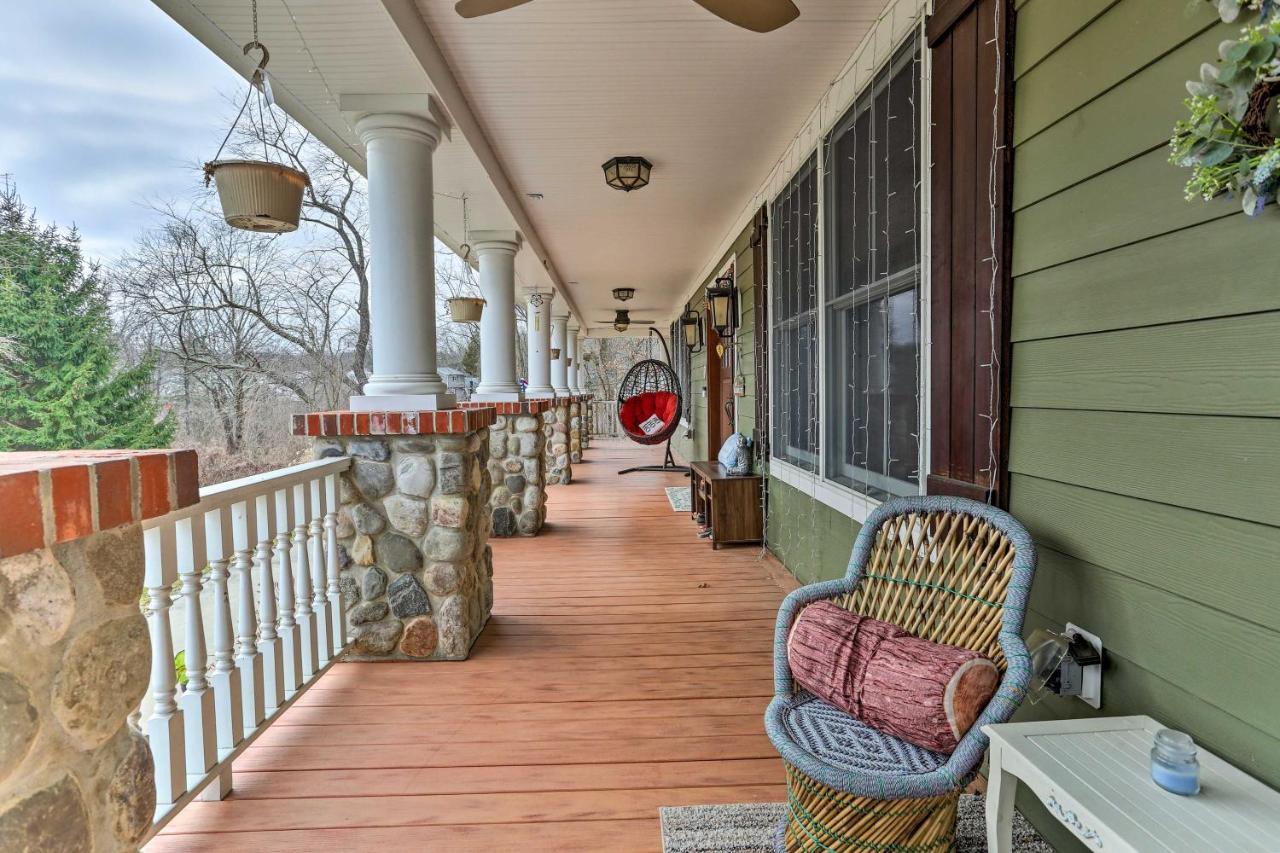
(963, 38)
(760, 289)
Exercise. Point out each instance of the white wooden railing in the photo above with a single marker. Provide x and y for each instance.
(274, 534)
(604, 418)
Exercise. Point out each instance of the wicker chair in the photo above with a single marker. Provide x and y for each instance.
(946, 569)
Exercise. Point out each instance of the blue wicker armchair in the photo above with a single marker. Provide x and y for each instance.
(949, 570)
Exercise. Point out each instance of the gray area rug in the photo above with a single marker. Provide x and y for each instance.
(750, 828)
(678, 497)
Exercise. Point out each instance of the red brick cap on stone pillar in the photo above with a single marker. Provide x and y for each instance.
(513, 407)
(49, 497)
(434, 422)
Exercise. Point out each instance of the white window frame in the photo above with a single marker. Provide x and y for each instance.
(841, 498)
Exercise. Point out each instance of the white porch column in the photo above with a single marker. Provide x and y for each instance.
(539, 322)
(559, 369)
(400, 133)
(571, 340)
(497, 254)
(576, 377)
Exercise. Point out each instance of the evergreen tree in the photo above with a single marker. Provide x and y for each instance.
(60, 386)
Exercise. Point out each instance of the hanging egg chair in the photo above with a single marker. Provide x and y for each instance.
(649, 404)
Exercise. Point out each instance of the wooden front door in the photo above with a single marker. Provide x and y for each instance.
(720, 400)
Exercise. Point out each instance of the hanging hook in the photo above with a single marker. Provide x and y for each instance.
(260, 73)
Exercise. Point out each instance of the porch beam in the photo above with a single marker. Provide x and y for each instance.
(496, 253)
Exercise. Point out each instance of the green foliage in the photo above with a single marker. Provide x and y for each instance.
(180, 667)
(1213, 141)
(60, 387)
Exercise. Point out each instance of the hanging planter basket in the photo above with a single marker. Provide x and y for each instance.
(465, 309)
(256, 196)
(555, 353)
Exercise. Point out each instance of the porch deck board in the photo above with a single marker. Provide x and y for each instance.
(608, 683)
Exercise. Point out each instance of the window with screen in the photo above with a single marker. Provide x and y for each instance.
(794, 326)
(872, 294)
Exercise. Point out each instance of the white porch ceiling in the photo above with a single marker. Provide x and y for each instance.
(553, 89)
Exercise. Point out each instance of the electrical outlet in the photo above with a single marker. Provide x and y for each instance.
(1091, 683)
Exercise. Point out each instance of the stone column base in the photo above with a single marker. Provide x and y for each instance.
(416, 568)
(75, 655)
(585, 433)
(517, 467)
(555, 427)
(579, 426)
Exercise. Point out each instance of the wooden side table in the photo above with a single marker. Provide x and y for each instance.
(730, 503)
(1095, 777)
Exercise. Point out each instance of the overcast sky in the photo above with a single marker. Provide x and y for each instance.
(104, 106)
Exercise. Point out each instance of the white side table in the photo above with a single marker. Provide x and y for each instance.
(1095, 777)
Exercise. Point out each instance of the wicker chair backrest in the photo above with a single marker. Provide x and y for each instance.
(941, 575)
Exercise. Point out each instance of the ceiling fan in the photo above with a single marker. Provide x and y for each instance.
(759, 16)
(622, 320)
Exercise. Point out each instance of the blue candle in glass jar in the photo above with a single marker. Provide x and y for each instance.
(1173, 763)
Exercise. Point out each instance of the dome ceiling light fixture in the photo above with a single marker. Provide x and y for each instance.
(627, 173)
(622, 294)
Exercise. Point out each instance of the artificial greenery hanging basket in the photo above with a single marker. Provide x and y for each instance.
(257, 195)
(465, 309)
(1229, 139)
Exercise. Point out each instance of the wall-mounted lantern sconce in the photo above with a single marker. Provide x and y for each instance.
(722, 297)
(691, 322)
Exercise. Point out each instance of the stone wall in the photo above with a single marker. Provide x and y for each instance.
(517, 467)
(585, 422)
(416, 569)
(75, 655)
(555, 426)
(576, 420)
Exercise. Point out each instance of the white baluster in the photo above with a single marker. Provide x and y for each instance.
(302, 574)
(338, 615)
(244, 535)
(269, 643)
(290, 636)
(228, 707)
(319, 601)
(197, 700)
(164, 726)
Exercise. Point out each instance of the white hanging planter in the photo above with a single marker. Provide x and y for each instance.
(466, 309)
(257, 196)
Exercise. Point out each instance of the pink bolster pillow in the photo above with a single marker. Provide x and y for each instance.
(919, 691)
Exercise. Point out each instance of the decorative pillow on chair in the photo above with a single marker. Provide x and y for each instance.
(922, 692)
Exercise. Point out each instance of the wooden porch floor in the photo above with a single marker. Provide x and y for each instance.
(609, 682)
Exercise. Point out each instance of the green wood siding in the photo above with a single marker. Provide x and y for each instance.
(1145, 443)
(810, 538)
(696, 446)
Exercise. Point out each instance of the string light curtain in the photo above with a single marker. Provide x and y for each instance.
(872, 295)
(794, 330)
